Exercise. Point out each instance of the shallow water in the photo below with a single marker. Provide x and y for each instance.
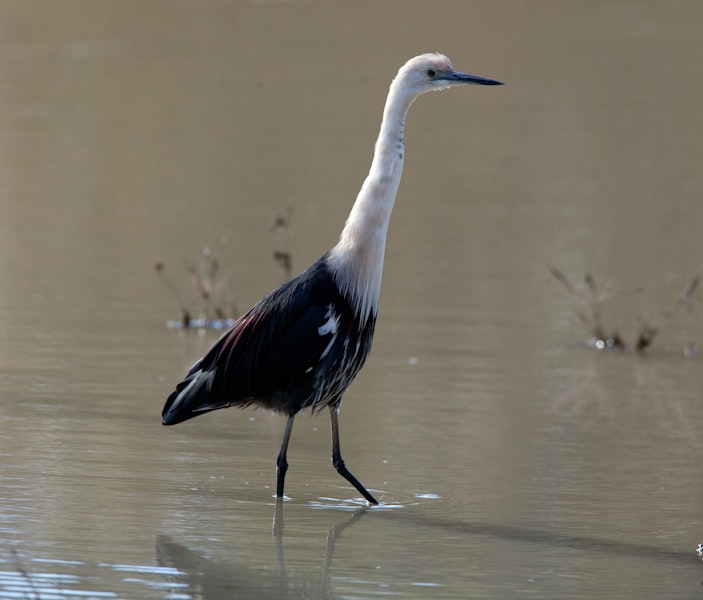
(510, 459)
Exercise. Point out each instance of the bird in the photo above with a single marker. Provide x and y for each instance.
(302, 345)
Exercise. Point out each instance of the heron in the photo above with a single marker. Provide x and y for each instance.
(302, 345)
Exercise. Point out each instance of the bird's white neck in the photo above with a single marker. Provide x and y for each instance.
(357, 259)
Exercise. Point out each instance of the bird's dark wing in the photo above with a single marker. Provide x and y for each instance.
(269, 356)
(277, 343)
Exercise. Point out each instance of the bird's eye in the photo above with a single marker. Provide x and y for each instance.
(431, 73)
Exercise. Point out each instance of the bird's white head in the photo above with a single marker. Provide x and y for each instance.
(432, 72)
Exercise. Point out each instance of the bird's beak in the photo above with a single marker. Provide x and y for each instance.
(456, 77)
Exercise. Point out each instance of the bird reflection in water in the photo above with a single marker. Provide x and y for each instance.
(200, 577)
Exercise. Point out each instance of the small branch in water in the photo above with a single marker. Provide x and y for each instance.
(281, 254)
(590, 313)
(185, 313)
(591, 301)
(217, 310)
(649, 327)
(25, 574)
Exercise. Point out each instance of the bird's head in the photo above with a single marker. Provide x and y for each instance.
(431, 72)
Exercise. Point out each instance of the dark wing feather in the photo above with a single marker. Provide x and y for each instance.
(268, 357)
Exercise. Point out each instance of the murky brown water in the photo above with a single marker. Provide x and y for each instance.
(511, 460)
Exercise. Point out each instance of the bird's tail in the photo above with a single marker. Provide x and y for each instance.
(193, 397)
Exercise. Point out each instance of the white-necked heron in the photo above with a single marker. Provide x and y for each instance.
(303, 344)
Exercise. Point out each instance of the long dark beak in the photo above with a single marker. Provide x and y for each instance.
(470, 79)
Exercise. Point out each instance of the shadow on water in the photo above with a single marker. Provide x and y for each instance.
(203, 578)
(555, 539)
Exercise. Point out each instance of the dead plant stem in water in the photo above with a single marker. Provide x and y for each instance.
(590, 303)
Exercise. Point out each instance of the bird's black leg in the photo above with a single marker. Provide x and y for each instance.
(337, 458)
(281, 462)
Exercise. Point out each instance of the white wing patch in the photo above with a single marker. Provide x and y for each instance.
(329, 327)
